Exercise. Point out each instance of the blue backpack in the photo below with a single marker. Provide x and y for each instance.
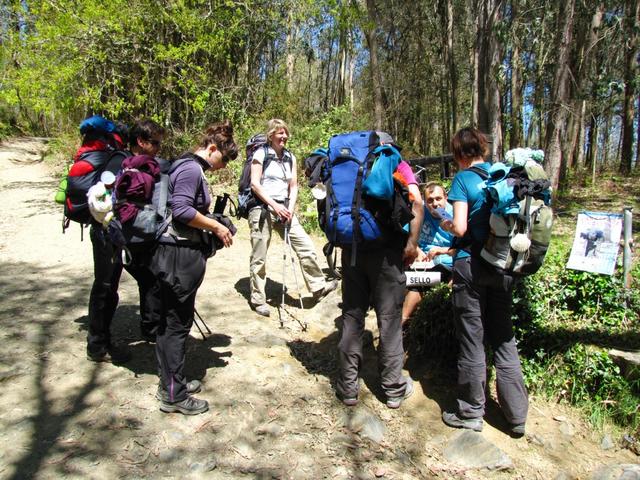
(352, 215)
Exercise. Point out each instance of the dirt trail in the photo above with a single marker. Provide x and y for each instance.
(273, 411)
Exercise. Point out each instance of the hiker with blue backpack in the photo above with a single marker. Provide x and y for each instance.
(274, 188)
(179, 262)
(482, 297)
(371, 195)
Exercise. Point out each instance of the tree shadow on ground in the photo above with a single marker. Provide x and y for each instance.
(42, 297)
(200, 355)
(56, 422)
(321, 358)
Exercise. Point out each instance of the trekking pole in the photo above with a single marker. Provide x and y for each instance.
(284, 276)
(287, 242)
(204, 324)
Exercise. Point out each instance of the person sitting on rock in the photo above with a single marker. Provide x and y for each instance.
(434, 244)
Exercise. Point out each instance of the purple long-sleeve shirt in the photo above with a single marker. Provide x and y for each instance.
(189, 190)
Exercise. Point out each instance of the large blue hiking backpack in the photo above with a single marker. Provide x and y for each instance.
(352, 217)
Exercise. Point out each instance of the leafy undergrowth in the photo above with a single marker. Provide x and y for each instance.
(566, 321)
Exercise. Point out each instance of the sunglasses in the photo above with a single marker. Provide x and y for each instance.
(155, 143)
(225, 159)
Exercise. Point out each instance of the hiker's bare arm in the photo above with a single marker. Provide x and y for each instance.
(435, 251)
(457, 226)
(293, 187)
(279, 209)
(411, 249)
(219, 230)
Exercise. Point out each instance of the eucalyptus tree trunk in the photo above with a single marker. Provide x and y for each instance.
(489, 56)
(451, 67)
(475, 62)
(583, 79)
(580, 142)
(561, 94)
(291, 57)
(637, 167)
(632, 19)
(515, 138)
(369, 31)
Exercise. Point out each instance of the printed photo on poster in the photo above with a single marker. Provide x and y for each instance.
(597, 241)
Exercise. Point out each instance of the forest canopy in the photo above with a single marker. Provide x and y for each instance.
(558, 75)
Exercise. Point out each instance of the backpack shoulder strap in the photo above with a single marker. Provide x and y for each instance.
(480, 171)
(268, 158)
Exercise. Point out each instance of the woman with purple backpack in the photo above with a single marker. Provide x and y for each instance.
(179, 262)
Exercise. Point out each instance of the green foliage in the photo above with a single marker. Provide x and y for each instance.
(432, 329)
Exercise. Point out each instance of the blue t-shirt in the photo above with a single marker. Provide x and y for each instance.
(467, 187)
(432, 235)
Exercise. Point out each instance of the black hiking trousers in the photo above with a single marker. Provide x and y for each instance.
(482, 300)
(179, 271)
(103, 299)
(377, 277)
(150, 300)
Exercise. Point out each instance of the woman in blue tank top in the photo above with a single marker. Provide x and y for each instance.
(482, 299)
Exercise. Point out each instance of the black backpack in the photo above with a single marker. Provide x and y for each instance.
(246, 199)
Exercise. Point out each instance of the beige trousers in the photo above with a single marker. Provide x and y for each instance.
(300, 242)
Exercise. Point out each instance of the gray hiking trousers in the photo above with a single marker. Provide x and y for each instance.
(378, 277)
(482, 301)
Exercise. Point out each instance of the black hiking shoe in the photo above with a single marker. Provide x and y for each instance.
(194, 386)
(395, 402)
(329, 287)
(112, 354)
(517, 430)
(453, 420)
(189, 406)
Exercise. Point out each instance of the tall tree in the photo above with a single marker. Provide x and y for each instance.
(561, 90)
(489, 58)
(632, 52)
(369, 31)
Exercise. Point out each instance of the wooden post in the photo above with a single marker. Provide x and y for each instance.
(628, 240)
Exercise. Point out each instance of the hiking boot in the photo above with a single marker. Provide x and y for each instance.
(262, 309)
(326, 290)
(194, 386)
(348, 401)
(112, 354)
(395, 402)
(189, 406)
(454, 421)
(517, 430)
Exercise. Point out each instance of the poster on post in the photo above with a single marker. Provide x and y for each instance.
(597, 241)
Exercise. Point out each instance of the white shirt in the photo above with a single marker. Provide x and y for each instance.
(275, 180)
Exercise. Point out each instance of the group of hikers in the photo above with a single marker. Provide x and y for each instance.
(446, 229)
